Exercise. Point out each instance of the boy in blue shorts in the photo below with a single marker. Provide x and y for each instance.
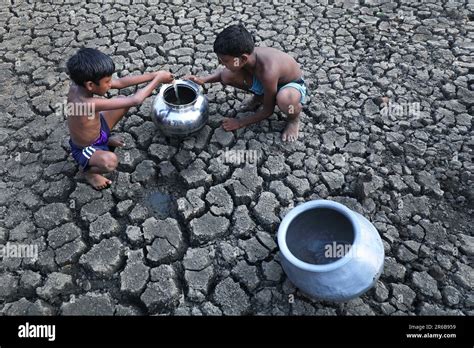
(273, 76)
(91, 118)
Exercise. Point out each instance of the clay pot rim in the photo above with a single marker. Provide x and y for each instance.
(316, 204)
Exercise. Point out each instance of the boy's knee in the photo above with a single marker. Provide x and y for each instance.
(110, 161)
(289, 102)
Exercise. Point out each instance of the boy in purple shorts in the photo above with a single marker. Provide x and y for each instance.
(92, 118)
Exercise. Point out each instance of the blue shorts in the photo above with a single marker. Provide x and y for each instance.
(83, 154)
(299, 85)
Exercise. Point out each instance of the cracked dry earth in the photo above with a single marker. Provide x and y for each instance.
(211, 248)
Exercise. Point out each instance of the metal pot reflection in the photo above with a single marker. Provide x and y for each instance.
(183, 114)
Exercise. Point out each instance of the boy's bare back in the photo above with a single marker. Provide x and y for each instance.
(275, 64)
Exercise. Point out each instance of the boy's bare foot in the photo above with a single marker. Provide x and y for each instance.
(251, 105)
(291, 131)
(115, 141)
(97, 181)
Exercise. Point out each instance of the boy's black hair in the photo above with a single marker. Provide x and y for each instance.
(89, 64)
(234, 41)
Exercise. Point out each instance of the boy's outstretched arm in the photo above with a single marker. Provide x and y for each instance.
(102, 104)
(214, 77)
(136, 80)
(269, 100)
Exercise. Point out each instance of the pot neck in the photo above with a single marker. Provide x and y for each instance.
(180, 107)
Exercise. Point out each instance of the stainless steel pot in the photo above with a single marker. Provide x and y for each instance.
(183, 116)
(329, 251)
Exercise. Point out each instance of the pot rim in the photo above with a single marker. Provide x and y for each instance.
(320, 203)
(188, 83)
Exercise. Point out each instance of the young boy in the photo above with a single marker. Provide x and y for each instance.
(273, 76)
(92, 118)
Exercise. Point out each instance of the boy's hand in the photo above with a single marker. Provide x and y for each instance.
(164, 76)
(160, 77)
(195, 79)
(231, 124)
